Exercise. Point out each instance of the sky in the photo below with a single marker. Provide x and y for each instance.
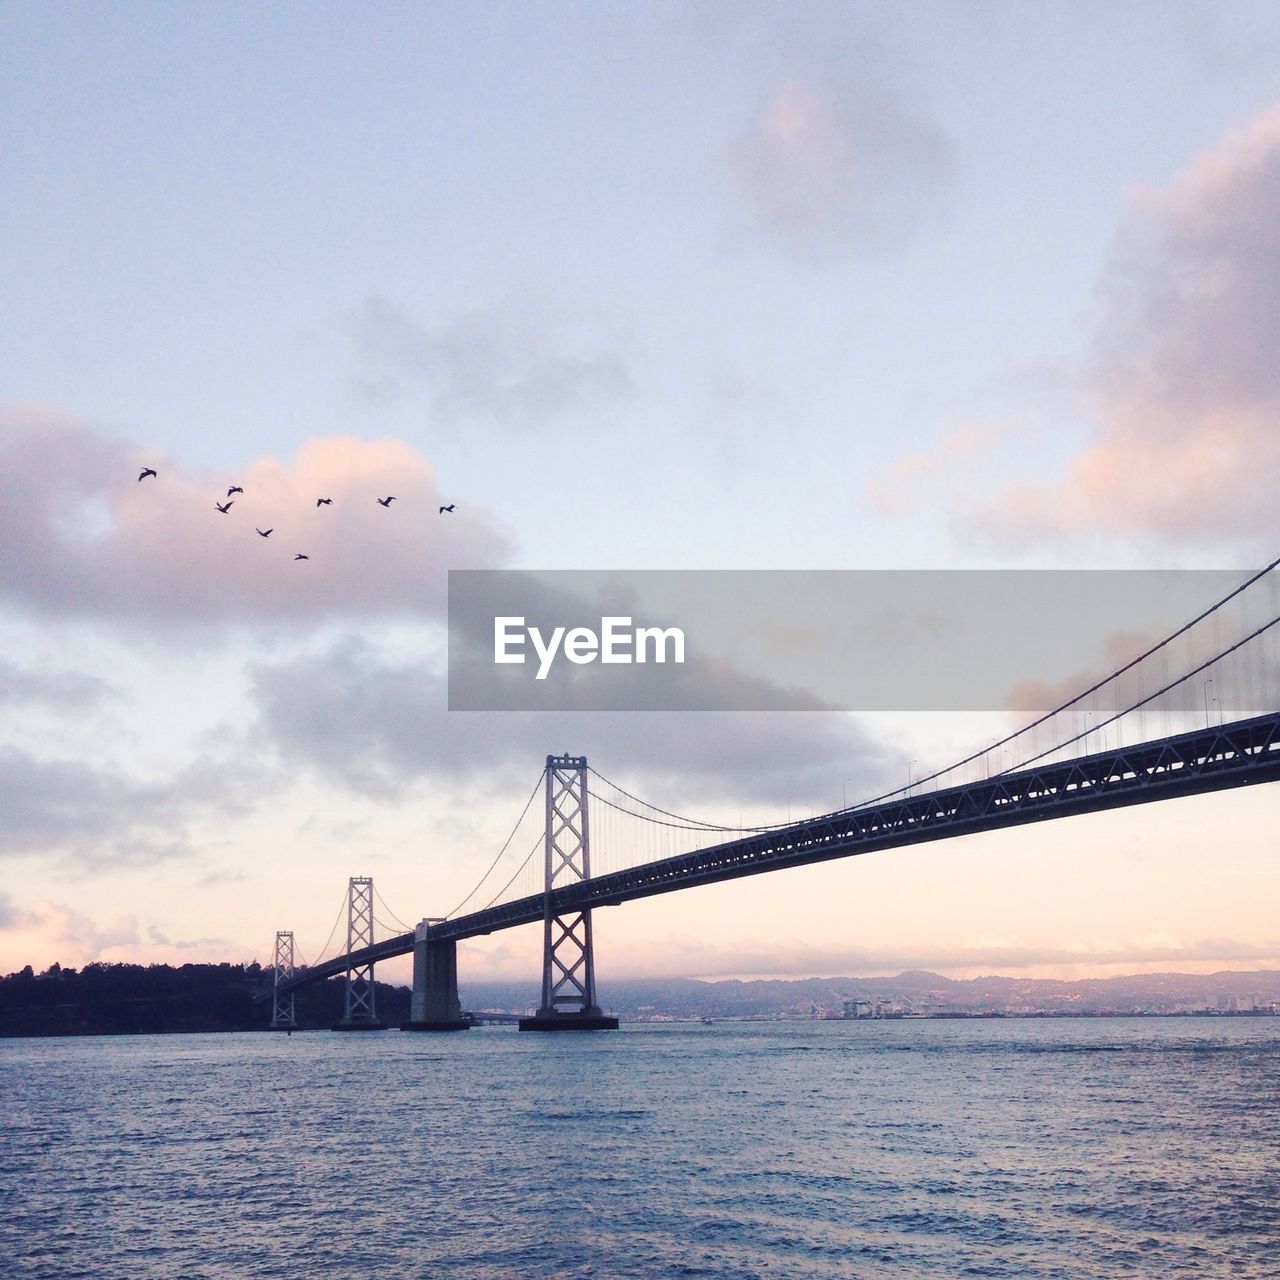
(712, 286)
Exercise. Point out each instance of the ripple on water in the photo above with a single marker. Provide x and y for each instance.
(913, 1151)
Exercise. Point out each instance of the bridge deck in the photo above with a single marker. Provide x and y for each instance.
(1238, 754)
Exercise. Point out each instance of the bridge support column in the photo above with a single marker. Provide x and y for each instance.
(435, 1004)
(568, 959)
(282, 1014)
(360, 1009)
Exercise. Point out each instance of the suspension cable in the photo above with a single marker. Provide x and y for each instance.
(533, 849)
(1071, 702)
(690, 823)
(386, 907)
(678, 826)
(1173, 684)
(329, 939)
(501, 851)
(683, 822)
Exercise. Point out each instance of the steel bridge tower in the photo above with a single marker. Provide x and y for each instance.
(282, 1015)
(359, 1008)
(568, 960)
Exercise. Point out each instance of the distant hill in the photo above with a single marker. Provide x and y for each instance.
(915, 990)
(117, 999)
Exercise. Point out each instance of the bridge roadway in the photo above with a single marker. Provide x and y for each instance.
(1238, 754)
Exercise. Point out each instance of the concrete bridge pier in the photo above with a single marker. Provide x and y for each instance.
(435, 1005)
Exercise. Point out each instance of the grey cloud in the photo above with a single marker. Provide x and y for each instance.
(511, 369)
(222, 876)
(921, 640)
(379, 726)
(76, 809)
(837, 161)
(702, 682)
(157, 937)
(91, 818)
(63, 690)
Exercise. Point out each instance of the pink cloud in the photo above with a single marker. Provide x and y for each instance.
(907, 482)
(1183, 392)
(836, 161)
(52, 931)
(83, 537)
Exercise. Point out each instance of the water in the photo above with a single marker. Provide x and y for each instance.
(1090, 1149)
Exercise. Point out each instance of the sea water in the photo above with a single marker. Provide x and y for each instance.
(1090, 1148)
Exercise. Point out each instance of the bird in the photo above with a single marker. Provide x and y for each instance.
(265, 533)
(450, 507)
(324, 502)
(387, 501)
(300, 556)
(224, 507)
(235, 488)
(146, 471)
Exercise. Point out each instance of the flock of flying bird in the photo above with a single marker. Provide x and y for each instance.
(226, 506)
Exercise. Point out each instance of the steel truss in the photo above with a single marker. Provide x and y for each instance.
(282, 1013)
(360, 996)
(568, 959)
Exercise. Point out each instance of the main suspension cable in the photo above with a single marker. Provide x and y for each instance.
(501, 851)
(386, 907)
(516, 872)
(1173, 684)
(329, 939)
(1071, 702)
(692, 824)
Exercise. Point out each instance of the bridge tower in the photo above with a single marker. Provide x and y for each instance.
(359, 1011)
(568, 961)
(282, 1015)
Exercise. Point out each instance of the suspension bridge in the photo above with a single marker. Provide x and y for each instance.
(1149, 730)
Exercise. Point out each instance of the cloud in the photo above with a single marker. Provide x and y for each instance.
(1183, 388)
(702, 681)
(908, 483)
(60, 690)
(98, 817)
(157, 938)
(379, 726)
(52, 931)
(1244, 685)
(515, 369)
(836, 162)
(83, 538)
(51, 927)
